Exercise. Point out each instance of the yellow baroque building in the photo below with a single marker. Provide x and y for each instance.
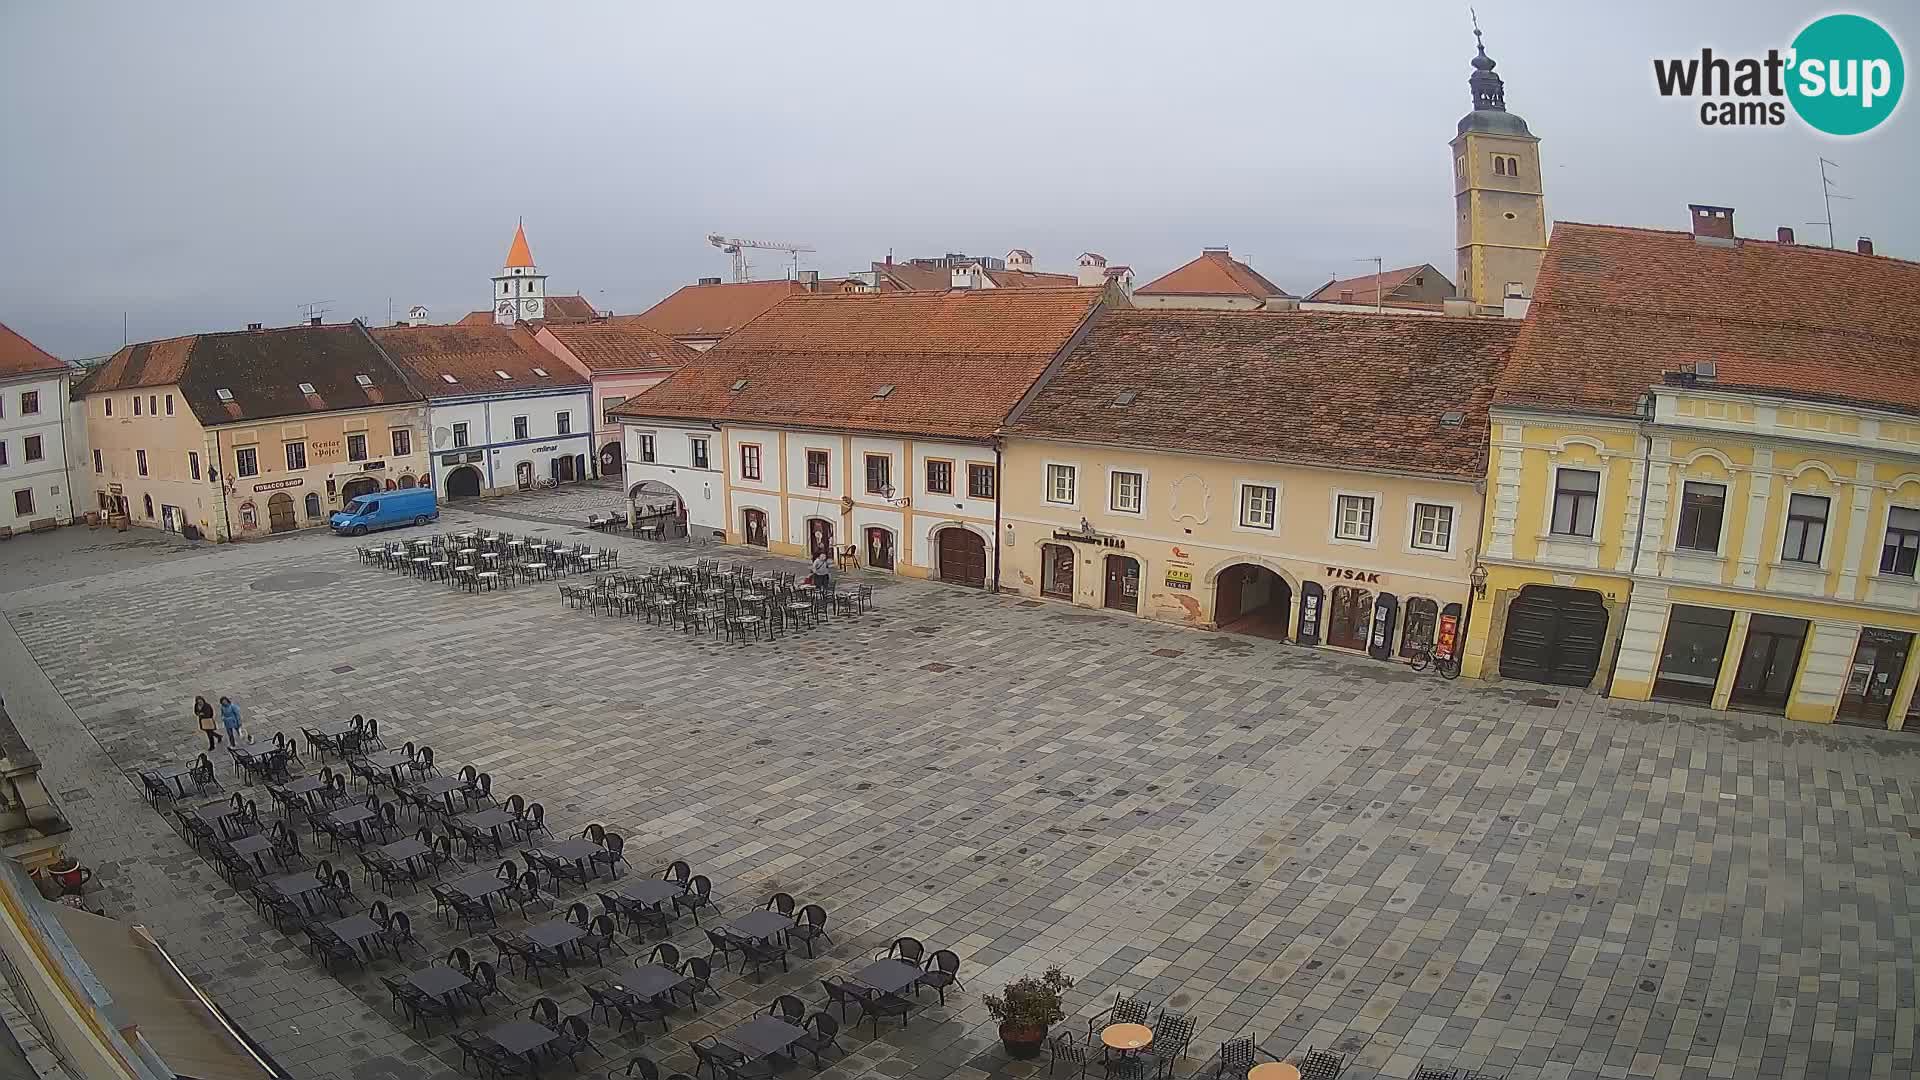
(1703, 480)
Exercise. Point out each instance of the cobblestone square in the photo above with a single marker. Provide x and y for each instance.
(1313, 849)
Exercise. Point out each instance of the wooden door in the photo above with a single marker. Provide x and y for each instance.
(280, 516)
(963, 558)
(1123, 583)
(1554, 636)
(755, 527)
(1768, 661)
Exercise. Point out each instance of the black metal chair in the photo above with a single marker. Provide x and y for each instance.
(905, 948)
(823, 1034)
(1237, 1057)
(1321, 1065)
(943, 970)
(812, 925)
(1172, 1032)
(843, 994)
(789, 1008)
(698, 894)
(1122, 1011)
(782, 903)
(876, 1006)
(724, 947)
(612, 853)
(1063, 1048)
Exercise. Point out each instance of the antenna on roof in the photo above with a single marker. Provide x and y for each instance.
(1827, 195)
(1378, 263)
(314, 309)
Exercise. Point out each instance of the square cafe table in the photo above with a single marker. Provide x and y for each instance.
(355, 930)
(404, 851)
(479, 886)
(649, 890)
(490, 820)
(553, 934)
(253, 846)
(390, 760)
(760, 925)
(648, 980)
(521, 1036)
(300, 885)
(305, 785)
(889, 976)
(177, 773)
(439, 981)
(441, 787)
(351, 815)
(576, 851)
(762, 1035)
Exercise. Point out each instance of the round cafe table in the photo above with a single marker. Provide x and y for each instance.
(1274, 1070)
(1126, 1037)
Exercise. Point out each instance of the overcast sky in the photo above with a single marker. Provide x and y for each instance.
(200, 166)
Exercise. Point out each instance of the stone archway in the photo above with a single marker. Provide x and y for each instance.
(356, 487)
(1249, 598)
(658, 510)
(612, 459)
(463, 482)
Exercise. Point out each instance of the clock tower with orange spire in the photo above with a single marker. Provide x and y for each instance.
(519, 289)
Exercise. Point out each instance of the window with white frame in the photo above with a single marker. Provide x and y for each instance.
(1806, 529)
(357, 446)
(1576, 496)
(246, 461)
(749, 462)
(459, 436)
(1432, 526)
(1900, 554)
(296, 456)
(402, 442)
(1354, 518)
(697, 445)
(1125, 492)
(1259, 506)
(1060, 480)
(647, 452)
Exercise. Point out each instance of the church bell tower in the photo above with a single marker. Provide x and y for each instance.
(1500, 213)
(519, 289)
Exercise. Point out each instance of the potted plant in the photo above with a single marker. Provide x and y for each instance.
(1027, 1009)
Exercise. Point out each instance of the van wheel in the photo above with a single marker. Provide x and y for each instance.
(420, 520)
(359, 530)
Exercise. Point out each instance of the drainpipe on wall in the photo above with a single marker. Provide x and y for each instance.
(999, 547)
(66, 448)
(219, 482)
(1639, 533)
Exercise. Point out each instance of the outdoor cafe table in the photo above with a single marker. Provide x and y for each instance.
(304, 786)
(253, 846)
(576, 851)
(762, 1035)
(355, 930)
(441, 786)
(490, 820)
(216, 815)
(1274, 1070)
(761, 925)
(521, 1037)
(554, 934)
(646, 981)
(480, 886)
(351, 815)
(889, 976)
(649, 890)
(177, 774)
(404, 851)
(1126, 1038)
(298, 885)
(439, 981)
(390, 760)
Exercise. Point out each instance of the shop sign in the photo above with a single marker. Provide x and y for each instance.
(1179, 577)
(1447, 637)
(1343, 573)
(1089, 537)
(324, 449)
(116, 489)
(451, 459)
(547, 449)
(275, 485)
(373, 466)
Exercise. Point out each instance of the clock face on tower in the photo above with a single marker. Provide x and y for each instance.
(531, 307)
(505, 308)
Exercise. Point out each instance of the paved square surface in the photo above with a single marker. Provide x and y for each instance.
(1314, 849)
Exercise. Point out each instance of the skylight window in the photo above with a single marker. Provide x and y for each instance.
(502, 374)
(1124, 397)
(448, 378)
(740, 384)
(306, 388)
(1452, 417)
(363, 380)
(885, 391)
(223, 394)
(540, 371)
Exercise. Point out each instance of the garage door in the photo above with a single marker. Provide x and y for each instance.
(1554, 636)
(963, 558)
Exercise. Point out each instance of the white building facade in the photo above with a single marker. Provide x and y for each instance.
(34, 436)
(512, 441)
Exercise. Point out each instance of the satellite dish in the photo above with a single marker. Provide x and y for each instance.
(442, 436)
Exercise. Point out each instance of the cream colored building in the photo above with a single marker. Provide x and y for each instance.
(1294, 475)
(227, 436)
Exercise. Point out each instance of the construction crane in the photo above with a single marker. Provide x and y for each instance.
(738, 249)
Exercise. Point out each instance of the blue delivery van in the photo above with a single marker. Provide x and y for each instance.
(385, 510)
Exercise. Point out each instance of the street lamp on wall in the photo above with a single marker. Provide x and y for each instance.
(1478, 579)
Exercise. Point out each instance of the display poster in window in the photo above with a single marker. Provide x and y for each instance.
(1449, 633)
(1180, 577)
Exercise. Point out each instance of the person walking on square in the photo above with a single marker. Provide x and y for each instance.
(230, 719)
(822, 566)
(203, 715)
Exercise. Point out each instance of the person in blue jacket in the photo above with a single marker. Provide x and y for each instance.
(230, 719)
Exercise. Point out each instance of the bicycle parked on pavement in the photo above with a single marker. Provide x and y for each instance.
(1449, 666)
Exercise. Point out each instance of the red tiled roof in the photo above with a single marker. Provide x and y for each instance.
(608, 346)
(1363, 287)
(1032, 279)
(18, 356)
(557, 308)
(1214, 273)
(1319, 388)
(145, 363)
(714, 311)
(473, 355)
(958, 362)
(1614, 307)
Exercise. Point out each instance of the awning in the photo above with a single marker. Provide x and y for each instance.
(179, 1023)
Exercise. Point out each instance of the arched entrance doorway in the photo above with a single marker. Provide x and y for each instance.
(406, 481)
(1056, 571)
(659, 513)
(879, 548)
(1251, 599)
(523, 475)
(358, 486)
(463, 483)
(963, 557)
(753, 526)
(611, 459)
(280, 513)
(819, 538)
(1123, 583)
(313, 505)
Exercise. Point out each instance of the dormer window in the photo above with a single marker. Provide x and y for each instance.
(448, 378)
(363, 380)
(223, 394)
(307, 388)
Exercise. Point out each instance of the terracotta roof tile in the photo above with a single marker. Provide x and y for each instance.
(18, 356)
(1363, 287)
(144, 363)
(958, 362)
(1614, 307)
(714, 311)
(1214, 273)
(609, 346)
(1353, 390)
(473, 355)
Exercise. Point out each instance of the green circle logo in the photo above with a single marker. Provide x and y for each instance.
(1847, 74)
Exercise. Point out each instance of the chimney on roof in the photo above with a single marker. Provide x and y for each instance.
(1712, 225)
(1865, 246)
(709, 281)
(1346, 296)
(1516, 302)
(1456, 307)
(1093, 268)
(313, 320)
(253, 326)
(810, 280)
(1786, 234)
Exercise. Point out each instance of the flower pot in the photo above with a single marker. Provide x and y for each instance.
(1022, 1042)
(70, 875)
